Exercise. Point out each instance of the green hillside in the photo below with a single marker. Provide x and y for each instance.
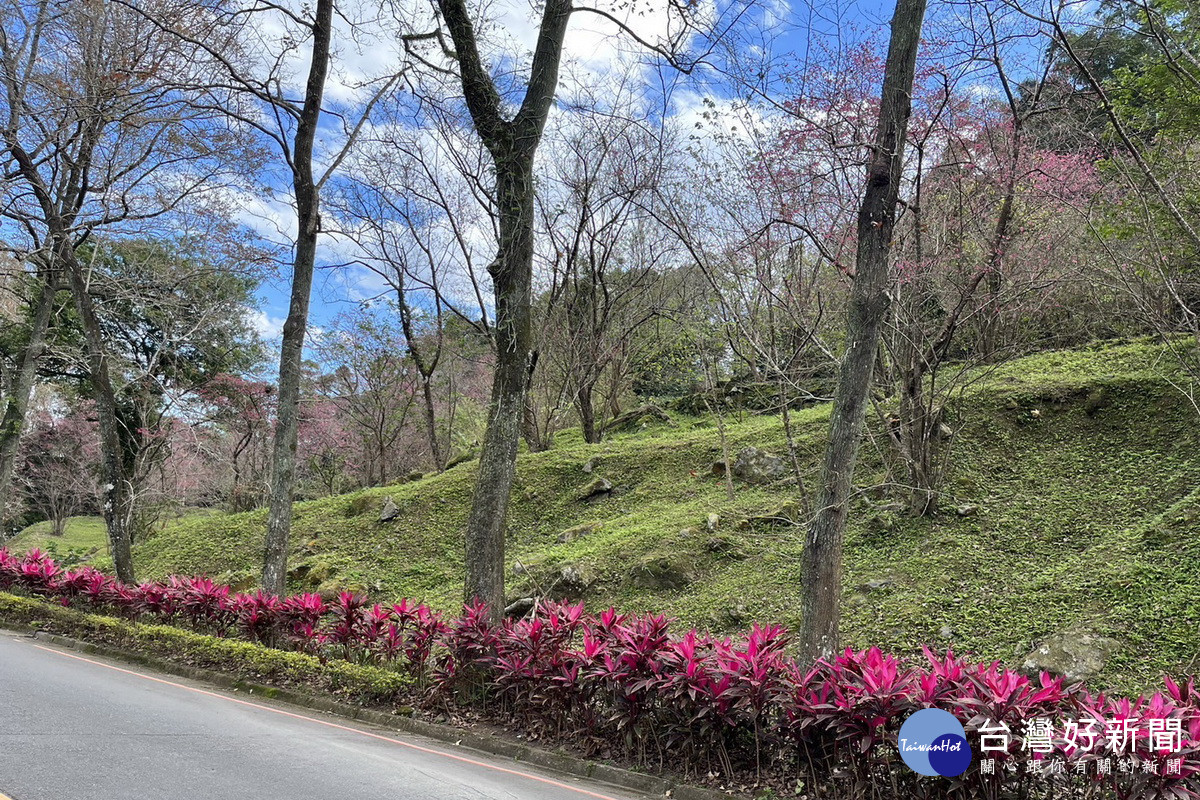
(1085, 519)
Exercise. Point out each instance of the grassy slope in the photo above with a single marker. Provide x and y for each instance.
(1087, 514)
(82, 536)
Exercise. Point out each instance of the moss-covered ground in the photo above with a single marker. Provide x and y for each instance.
(1083, 465)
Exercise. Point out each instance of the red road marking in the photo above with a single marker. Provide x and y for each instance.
(328, 724)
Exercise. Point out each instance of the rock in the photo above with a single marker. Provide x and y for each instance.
(876, 585)
(571, 582)
(787, 514)
(725, 546)
(662, 572)
(967, 510)
(578, 532)
(597, 489)
(731, 617)
(330, 589)
(520, 607)
(389, 511)
(461, 458)
(1075, 655)
(415, 475)
(711, 523)
(591, 464)
(639, 418)
(758, 466)
(946, 632)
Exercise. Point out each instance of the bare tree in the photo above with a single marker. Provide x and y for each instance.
(98, 137)
(821, 575)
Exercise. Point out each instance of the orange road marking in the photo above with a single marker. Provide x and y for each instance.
(328, 724)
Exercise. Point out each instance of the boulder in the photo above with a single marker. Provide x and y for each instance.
(662, 572)
(711, 523)
(967, 510)
(389, 511)
(578, 532)
(571, 582)
(639, 418)
(758, 466)
(597, 489)
(1075, 655)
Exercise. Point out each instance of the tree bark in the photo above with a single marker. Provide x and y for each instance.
(17, 407)
(117, 489)
(822, 564)
(587, 412)
(307, 192)
(512, 145)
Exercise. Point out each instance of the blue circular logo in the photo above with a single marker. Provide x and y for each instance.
(932, 742)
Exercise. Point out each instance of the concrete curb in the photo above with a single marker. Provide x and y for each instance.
(492, 745)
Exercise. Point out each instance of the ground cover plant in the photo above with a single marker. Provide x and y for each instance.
(628, 686)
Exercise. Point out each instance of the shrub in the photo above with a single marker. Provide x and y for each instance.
(729, 706)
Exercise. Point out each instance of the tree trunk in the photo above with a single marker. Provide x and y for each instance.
(435, 447)
(17, 407)
(822, 565)
(512, 144)
(117, 494)
(512, 275)
(587, 412)
(283, 464)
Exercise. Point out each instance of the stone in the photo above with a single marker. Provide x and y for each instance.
(639, 418)
(597, 489)
(661, 572)
(731, 616)
(879, 584)
(758, 466)
(591, 464)
(946, 632)
(725, 546)
(787, 514)
(711, 523)
(389, 511)
(967, 510)
(1075, 655)
(415, 475)
(571, 582)
(578, 532)
(520, 607)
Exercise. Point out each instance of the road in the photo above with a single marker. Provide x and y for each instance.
(82, 728)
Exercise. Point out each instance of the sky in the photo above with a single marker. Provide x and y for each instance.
(778, 31)
(594, 51)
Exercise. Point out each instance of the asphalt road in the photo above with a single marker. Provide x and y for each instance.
(76, 728)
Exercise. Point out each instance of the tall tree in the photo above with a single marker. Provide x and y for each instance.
(512, 143)
(307, 194)
(97, 137)
(822, 566)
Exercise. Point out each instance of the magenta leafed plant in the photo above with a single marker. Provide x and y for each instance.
(732, 706)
